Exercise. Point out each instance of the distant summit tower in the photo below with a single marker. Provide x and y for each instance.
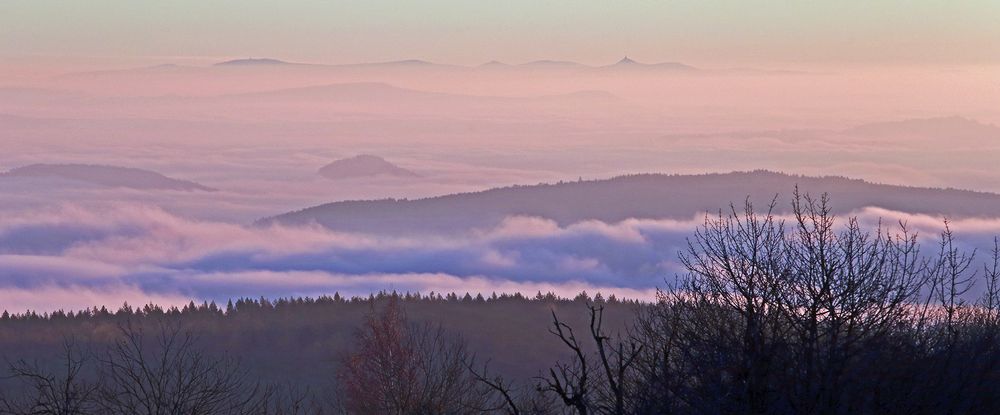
(626, 61)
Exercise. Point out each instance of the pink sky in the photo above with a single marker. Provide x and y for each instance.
(463, 32)
(903, 92)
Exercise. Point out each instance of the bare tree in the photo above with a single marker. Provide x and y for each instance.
(66, 393)
(508, 402)
(403, 368)
(738, 269)
(285, 400)
(167, 374)
(505, 396)
(605, 389)
(845, 290)
(571, 382)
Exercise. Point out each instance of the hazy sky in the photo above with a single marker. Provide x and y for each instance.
(468, 31)
(894, 91)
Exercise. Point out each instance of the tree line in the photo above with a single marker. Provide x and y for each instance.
(804, 313)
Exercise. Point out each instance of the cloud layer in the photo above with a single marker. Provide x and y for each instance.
(76, 256)
(143, 250)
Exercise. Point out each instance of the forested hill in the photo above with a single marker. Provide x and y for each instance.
(635, 196)
(299, 340)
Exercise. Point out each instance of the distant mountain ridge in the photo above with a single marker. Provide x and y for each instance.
(624, 63)
(364, 165)
(109, 176)
(252, 61)
(642, 196)
(627, 63)
(943, 127)
(380, 90)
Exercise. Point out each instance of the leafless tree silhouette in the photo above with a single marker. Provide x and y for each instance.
(403, 368)
(66, 393)
(167, 374)
(598, 382)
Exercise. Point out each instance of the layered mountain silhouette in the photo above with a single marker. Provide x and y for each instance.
(389, 94)
(953, 127)
(629, 64)
(546, 63)
(263, 73)
(625, 63)
(318, 102)
(652, 196)
(108, 176)
(941, 132)
(404, 63)
(494, 64)
(346, 91)
(364, 165)
(252, 61)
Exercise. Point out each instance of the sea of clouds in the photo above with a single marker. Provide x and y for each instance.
(75, 256)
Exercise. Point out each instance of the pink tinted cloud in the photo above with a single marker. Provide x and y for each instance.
(132, 252)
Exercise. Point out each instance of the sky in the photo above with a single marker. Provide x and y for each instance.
(891, 91)
(472, 32)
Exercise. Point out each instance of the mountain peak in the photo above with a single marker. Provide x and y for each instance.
(629, 63)
(406, 62)
(626, 61)
(494, 63)
(364, 165)
(252, 61)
